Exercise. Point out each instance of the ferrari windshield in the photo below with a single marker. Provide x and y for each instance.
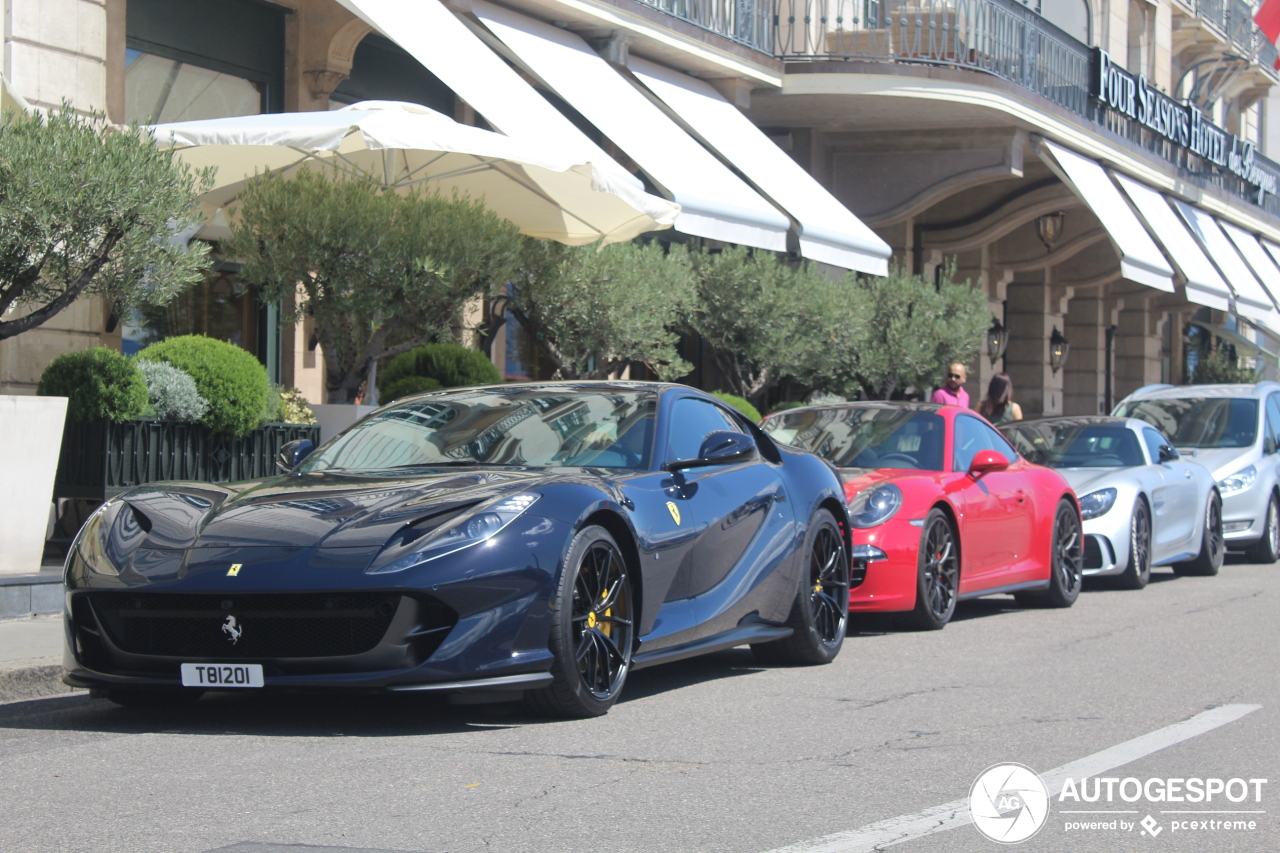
(1076, 445)
(864, 436)
(1200, 421)
(528, 426)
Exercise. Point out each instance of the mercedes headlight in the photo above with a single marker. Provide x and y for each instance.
(463, 532)
(1239, 481)
(875, 505)
(1097, 503)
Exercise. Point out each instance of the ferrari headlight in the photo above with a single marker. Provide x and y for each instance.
(462, 533)
(90, 544)
(1097, 503)
(1239, 481)
(875, 505)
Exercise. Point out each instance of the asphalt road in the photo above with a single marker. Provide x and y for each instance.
(715, 754)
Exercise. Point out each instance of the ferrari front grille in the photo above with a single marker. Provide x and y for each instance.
(269, 625)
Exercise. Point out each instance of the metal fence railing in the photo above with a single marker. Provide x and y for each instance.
(748, 22)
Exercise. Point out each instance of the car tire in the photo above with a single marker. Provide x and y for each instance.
(592, 630)
(1213, 547)
(1267, 549)
(819, 614)
(937, 574)
(1066, 561)
(151, 697)
(1138, 573)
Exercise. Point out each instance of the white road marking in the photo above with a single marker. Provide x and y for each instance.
(952, 815)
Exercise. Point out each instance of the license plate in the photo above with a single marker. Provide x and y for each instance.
(222, 675)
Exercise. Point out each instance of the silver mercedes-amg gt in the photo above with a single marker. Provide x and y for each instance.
(1141, 502)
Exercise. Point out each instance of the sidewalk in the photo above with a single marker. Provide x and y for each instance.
(31, 645)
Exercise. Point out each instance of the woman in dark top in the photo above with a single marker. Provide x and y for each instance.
(998, 406)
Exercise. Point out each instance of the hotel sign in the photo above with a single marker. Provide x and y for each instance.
(1183, 125)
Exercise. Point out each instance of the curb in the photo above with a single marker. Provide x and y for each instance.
(36, 678)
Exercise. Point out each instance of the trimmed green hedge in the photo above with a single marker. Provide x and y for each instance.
(738, 403)
(232, 381)
(406, 385)
(449, 364)
(100, 384)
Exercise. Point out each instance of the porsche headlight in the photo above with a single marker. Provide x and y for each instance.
(875, 505)
(1097, 503)
(1239, 481)
(461, 533)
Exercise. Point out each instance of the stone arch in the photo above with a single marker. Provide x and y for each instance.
(342, 47)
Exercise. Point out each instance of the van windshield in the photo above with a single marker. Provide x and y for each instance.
(1200, 421)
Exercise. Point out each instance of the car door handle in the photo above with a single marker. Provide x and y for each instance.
(1187, 474)
(1022, 496)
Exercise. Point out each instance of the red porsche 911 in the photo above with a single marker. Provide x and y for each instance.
(943, 508)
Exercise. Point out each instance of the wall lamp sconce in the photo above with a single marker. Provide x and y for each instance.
(1059, 347)
(997, 340)
(1049, 228)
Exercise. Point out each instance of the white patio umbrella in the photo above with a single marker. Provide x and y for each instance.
(406, 145)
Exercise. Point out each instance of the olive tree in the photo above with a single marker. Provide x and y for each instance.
(592, 311)
(915, 328)
(90, 210)
(380, 273)
(764, 319)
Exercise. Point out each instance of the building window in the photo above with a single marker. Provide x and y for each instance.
(1070, 16)
(382, 71)
(158, 89)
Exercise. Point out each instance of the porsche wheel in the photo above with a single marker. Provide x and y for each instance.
(820, 612)
(1066, 561)
(1213, 548)
(593, 631)
(1138, 572)
(938, 574)
(1267, 550)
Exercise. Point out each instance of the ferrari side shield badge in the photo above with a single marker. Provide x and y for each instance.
(674, 510)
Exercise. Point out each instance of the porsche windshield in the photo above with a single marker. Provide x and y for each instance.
(864, 437)
(1200, 422)
(532, 427)
(1076, 445)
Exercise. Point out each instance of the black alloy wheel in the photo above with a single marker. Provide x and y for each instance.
(1267, 550)
(1137, 574)
(1066, 561)
(938, 574)
(593, 632)
(1213, 546)
(820, 613)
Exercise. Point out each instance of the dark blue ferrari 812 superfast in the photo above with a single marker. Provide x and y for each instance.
(536, 540)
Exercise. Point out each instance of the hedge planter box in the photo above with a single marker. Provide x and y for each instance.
(101, 459)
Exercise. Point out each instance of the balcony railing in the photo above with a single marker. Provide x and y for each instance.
(748, 22)
(1008, 40)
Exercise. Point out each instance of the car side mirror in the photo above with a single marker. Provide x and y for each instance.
(985, 462)
(719, 448)
(1169, 453)
(293, 452)
(1268, 445)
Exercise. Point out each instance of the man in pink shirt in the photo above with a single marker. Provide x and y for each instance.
(952, 392)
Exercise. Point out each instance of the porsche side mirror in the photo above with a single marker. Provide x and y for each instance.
(1169, 453)
(719, 448)
(986, 461)
(293, 452)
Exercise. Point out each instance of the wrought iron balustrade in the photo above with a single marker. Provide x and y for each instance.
(748, 22)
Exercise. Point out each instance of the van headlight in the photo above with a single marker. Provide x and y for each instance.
(1239, 481)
